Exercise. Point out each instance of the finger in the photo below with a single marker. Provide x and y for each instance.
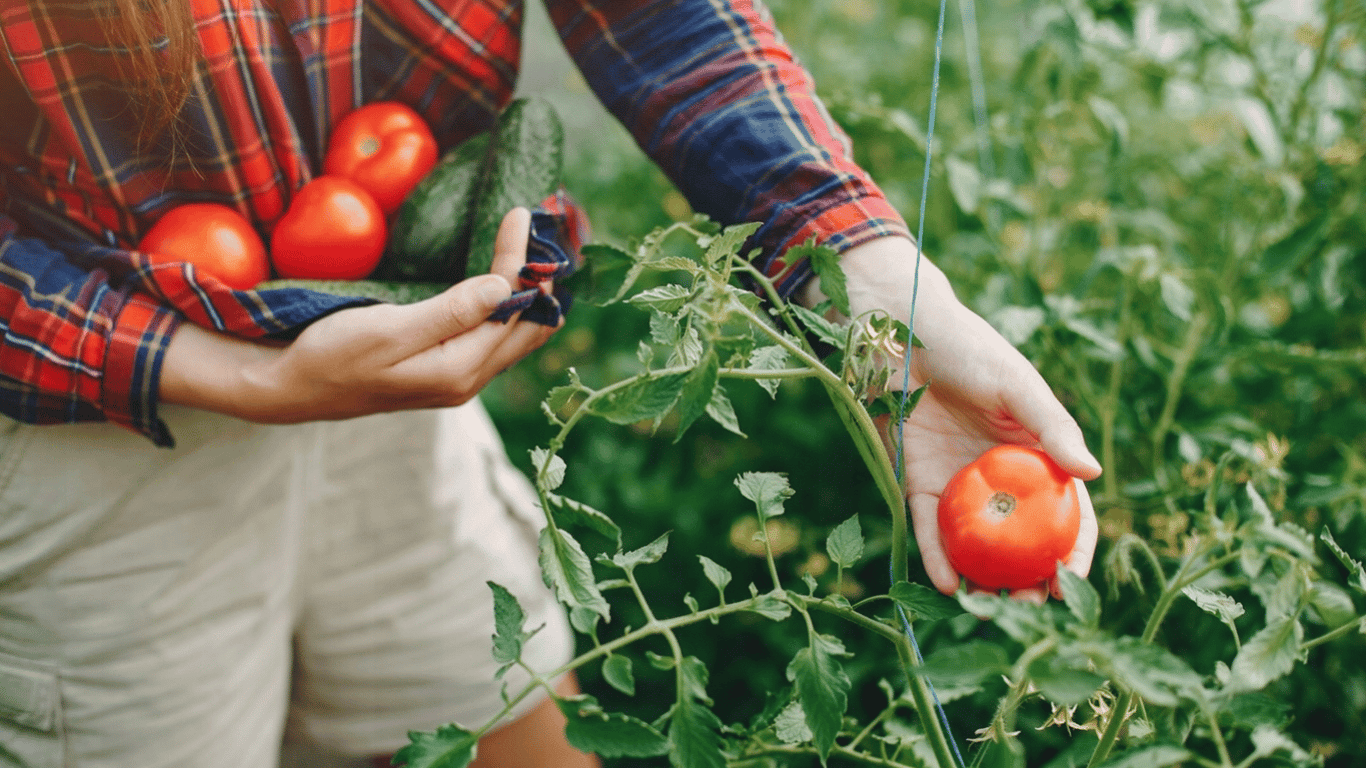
(454, 311)
(458, 368)
(1083, 552)
(1032, 403)
(509, 247)
(1035, 595)
(925, 523)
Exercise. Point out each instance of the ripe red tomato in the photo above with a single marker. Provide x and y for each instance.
(1007, 518)
(385, 147)
(333, 230)
(214, 238)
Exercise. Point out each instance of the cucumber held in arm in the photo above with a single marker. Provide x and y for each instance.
(445, 229)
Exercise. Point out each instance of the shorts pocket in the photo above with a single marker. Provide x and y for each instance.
(30, 715)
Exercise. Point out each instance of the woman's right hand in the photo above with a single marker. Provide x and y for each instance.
(385, 357)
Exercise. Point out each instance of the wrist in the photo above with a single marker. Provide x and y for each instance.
(215, 372)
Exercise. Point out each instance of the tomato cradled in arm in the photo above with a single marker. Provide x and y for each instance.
(214, 238)
(1007, 518)
(385, 147)
(333, 230)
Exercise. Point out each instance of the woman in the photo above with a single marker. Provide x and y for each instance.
(308, 561)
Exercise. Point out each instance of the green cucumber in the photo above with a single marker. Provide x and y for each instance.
(393, 292)
(431, 229)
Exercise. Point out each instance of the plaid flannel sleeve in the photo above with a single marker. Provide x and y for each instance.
(86, 327)
(711, 92)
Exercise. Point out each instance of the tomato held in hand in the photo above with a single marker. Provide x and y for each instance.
(385, 147)
(214, 238)
(1007, 518)
(333, 230)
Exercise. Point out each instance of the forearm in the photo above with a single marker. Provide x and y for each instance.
(216, 372)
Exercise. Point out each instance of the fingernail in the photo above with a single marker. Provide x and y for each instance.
(493, 290)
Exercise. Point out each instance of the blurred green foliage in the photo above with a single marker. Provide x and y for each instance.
(1164, 209)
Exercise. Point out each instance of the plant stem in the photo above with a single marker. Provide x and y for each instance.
(1357, 624)
(1190, 347)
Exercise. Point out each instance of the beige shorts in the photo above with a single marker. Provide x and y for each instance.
(190, 607)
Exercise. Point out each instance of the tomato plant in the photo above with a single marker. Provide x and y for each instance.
(215, 238)
(333, 230)
(385, 147)
(1007, 518)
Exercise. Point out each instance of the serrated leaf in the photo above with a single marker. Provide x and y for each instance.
(1216, 603)
(650, 553)
(549, 468)
(645, 398)
(1062, 684)
(771, 607)
(845, 542)
(1151, 671)
(602, 279)
(694, 730)
(965, 664)
(620, 674)
(1354, 568)
(608, 734)
(1154, 756)
(921, 602)
(721, 411)
(790, 725)
(770, 358)
(566, 569)
(825, 262)
(508, 618)
(1080, 597)
(449, 746)
(768, 491)
(570, 513)
(819, 327)
(696, 393)
(716, 574)
(1267, 655)
(665, 298)
(822, 688)
(729, 241)
(1024, 622)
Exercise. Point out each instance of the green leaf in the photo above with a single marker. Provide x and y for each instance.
(965, 182)
(620, 674)
(965, 664)
(1024, 622)
(845, 542)
(716, 574)
(790, 725)
(1151, 671)
(508, 618)
(821, 328)
(770, 358)
(1282, 257)
(549, 469)
(921, 602)
(608, 734)
(696, 393)
(823, 689)
(722, 412)
(768, 491)
(825, 262)
(665, 298)
(650, 553)
(575, 514)
(1154, 756)
(771, 607)
(648, 397)
(730, 240)
(1354, 568)
(449, 746)
(694, 730)
(566, 569)
(1080, 597)
(1268, 655)
(1061, 683)
(602, 278)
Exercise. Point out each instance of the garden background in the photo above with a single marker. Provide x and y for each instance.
(1161, 203)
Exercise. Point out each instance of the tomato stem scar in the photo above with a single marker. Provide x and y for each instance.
(369, 146)
(1001, 504)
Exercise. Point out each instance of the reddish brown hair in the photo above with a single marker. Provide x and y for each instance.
(159, 68)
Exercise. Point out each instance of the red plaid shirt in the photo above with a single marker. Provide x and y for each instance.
(707, 88)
